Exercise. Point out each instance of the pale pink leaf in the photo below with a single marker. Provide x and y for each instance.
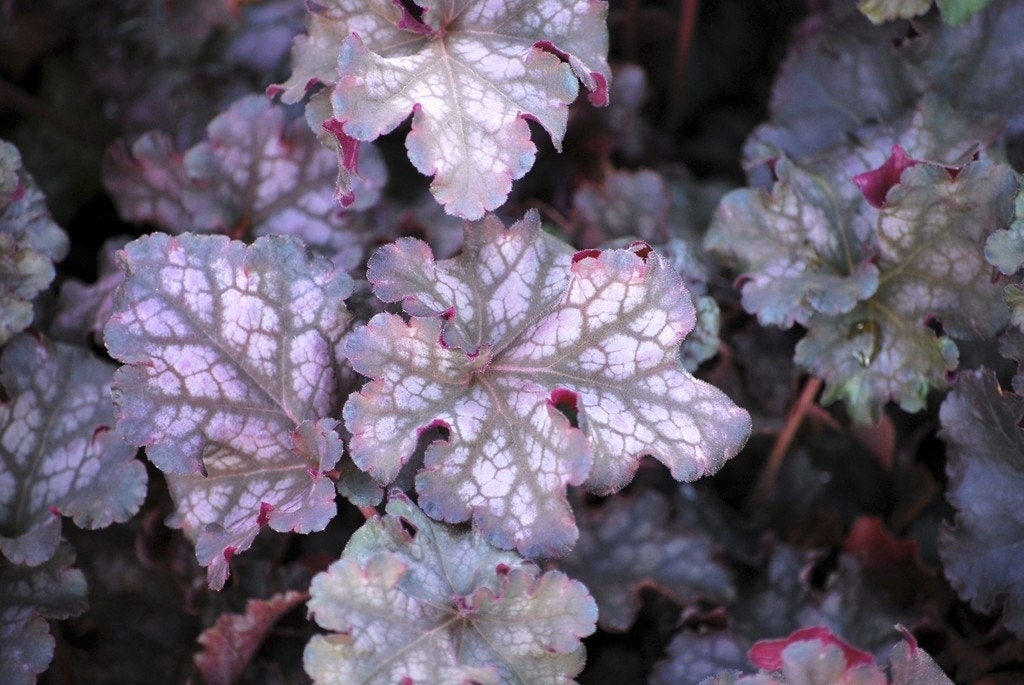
(499, 339)
(230, 353)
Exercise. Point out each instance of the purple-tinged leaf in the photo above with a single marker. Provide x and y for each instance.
(502, 335)
(628, 544)
(624, 204)
(231, 642)
(58, 450)
(768, 654)
(1004, 249)
(415, 601)
(30, 242)
(929, 241)
(83, 310)
(983, 553)
(255, 175)
(470, 73)
(28, 596)
(229, 351)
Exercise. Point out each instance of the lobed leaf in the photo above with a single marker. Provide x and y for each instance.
(231, 365)
(28, 596)
(255, 175)
(501, 335)
(30, 243)
(470, 72)
(982, 551)
(58, 450)
(412, 600)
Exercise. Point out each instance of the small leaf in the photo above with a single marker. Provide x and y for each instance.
(28, 596)
(879, 11)
(983, 553)
(412, 600)
(627, 544)
(232, 641)
(255, 175)
(228, 352)
(57, 448)
(497, 338)
(30, 242)
(470, 73)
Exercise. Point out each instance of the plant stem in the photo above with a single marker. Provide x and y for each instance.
(795, 417)
(684, 44)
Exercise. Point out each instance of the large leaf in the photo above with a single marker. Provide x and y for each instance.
(58, 451)
(28, 596)
(470, 71)
(498, 338)
(230, 368)
(415, 601)
(983, 553)
(30, 242)
(866, 271)
(255, 175)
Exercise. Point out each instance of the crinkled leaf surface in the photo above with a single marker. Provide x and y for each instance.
(231, 642)
(230, 366)
(497, 338)
(1004, 249)
(58, 450)
(255, 175)
(470, 72)
(628, 544)
(865, 272)
(983, 553)
(414, 601)
(30, 242)
(28, 596)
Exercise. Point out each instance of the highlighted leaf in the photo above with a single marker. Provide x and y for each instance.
(470, 73)
(28, 596)
(982, 552)
(30, 242)
(230, 365)
(501, 335)
(255, 175)
(414, 601)
(58, 451)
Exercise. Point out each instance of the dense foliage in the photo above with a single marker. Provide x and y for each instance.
(343, 342)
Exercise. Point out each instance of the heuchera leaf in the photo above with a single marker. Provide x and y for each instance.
(230, 367)
(865, 274)
(255, 175)
(1004, 249)
(58, 451)
(83, 310)
(231, 642)
(627, 544)
(28, 596)
(983, 553)
(30, 242)
(879, 11)
(414, 601)
(497, 339)
(471, 72)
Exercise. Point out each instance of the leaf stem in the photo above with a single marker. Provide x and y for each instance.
(684, 45)
(17, 99)
(770, 472)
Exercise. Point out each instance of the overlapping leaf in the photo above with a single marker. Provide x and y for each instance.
(983, 551)
(497, 338)
(57, 450)
(470, 72)
(30, 242)
(412, 600)
(627, 544)
(28, 596)
(866, 272)
(255, 175)
(953, 11)
(230, 370)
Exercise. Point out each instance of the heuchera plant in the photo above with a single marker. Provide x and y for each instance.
(301, 415)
